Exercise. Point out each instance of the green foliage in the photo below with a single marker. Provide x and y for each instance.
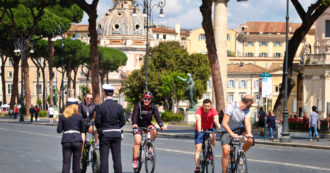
(83, 90)
(39, 102)
(43, 113)
(326, 2)
(169, 116)
(166, 61)
(48, 99)
(110, 59)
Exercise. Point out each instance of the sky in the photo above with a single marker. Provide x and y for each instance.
(187, 14)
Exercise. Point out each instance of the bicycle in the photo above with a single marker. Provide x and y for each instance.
(207, 159)
(237, 160)
(147, 152)
(95, 154)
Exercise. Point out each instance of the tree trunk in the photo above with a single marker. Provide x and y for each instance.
(75, 82)
(26, 81)
(14, 91)
(313, 13)
(3, 81)
(68, 93)
(206, 10)
(50, 68)
(43, 89)
(166, 104)
(38, 69)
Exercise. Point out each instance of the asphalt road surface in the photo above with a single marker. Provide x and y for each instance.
(28, 148)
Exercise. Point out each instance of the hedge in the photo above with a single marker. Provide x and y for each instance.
(170, 116)
(43, 113)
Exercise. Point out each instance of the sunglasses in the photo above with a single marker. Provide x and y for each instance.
(89, 98)
(147, 99)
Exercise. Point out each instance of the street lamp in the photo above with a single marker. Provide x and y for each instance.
(148, 5)
(285, 133)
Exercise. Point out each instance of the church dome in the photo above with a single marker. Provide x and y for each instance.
(121, 21)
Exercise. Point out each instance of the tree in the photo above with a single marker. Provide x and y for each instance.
(91, 10)
(308, 17)
(168, 60)
(110, 60)
(206, 10)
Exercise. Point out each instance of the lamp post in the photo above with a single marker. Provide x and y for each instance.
(285, 133)
(148, 5)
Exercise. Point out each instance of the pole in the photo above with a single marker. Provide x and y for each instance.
(63, 71)
(265, 120)
(285, 133)
(22, 48)
(147, 43)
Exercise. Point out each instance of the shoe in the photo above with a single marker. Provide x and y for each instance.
(309, 140)
(318, 138)
(197, 170)
(135, 164)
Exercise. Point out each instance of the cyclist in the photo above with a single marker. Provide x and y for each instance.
(142, 115)
(232, 126)
(206, 116)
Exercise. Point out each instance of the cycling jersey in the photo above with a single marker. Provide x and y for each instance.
(87, 111)
(142, 115)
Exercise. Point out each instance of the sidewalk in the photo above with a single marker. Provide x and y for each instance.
(298, 139)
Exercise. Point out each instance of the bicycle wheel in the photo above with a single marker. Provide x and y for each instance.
(96, 161)
(202, 159)
(138, 169)
(231, 161)
(241, 164)
(84, 163)
(150, 158)
(209, 161)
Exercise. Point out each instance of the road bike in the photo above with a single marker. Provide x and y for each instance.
(90, 154)
(147, 153)
(237, 160)
(207, 156)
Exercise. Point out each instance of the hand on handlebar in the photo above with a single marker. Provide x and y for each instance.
(234, 135)
(163, 128)
(135, 126)
(249, 135)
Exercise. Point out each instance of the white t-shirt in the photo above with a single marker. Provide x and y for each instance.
(51, 111)
(237, 116)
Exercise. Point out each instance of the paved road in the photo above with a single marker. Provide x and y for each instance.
(32, 148)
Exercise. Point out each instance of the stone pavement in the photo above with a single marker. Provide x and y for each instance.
(298, 139)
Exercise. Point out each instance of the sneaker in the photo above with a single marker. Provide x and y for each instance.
(135, 164)
(309, 140)
(197, 170)
(318, 138)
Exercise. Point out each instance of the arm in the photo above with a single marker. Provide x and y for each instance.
(79, 108)
(136, 112)
(98, 117)
(122, 118)
(248, 126)
(158, 119)
(198, 122)
(60, 125)
(183, 79)
(225, 125)
(216, 121)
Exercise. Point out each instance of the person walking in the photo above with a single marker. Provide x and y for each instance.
(261, 123)
(16, 112)
(109, 119)
(206, 117)
(72, 125)
(31, 110)
(314, 120)
(271, 122)
(51, 114)
(36, 113)
(144, 111)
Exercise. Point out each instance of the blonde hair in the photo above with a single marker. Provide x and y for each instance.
(70, 110)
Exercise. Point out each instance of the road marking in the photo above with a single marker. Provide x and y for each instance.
(30, 133)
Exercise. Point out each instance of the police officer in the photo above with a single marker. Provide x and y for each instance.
(71, 123)
(109, 119)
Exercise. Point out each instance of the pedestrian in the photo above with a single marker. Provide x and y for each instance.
(11, 113)
(109, 119)
(271, 122)
(314, 120)
(16, 111)
(143, 113)
(51, 114)
(36, 112)
(72, 125)
(261, 123)
(31, 110)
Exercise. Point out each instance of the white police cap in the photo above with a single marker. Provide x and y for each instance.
(108, 87)
(71, 101)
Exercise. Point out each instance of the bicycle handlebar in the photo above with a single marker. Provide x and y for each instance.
(242, 138)
(149, 128)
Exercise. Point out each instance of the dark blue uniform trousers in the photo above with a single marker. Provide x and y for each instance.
(113, 143)
(69, 149)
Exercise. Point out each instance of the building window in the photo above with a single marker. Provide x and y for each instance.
(228, 37)
(82, 74)
(327, 28)
(157, 36)
(206, 96)
(256, 84)
(209, 83)
(10, 61)
(230, 98)
(231, 84)
(202, 37)
(250, 43)
(242, 95)
(278, 44)
(164, 36)
(277, 54)
(9, 88)
(249, 54)
(263, 43)
(263, 54)
(38, 89)
(10, 74)
(256, 97)
(242, 84)
(276, 89)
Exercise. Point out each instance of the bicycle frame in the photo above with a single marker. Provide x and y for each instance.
(236, 150)
(207, 151)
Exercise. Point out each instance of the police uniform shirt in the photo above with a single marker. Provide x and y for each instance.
(74, 123)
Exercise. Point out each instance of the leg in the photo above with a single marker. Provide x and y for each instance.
(36, 117)
(31, 117)
(213, 139)
(247, 144)
(90, 130)
(316, 133)
(271, 132)
(76, 157)
(66, 150)
(136, 147)
(310, 133)
(116, 154)
(153, 132)
(198, 148)
(104, 152)
(225, 156)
